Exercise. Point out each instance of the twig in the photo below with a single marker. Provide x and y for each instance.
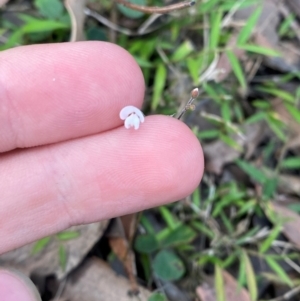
(141, 31)
(156, 9)
(189, 105)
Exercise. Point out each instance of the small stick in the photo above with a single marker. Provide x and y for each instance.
(189, 105)
(157, 9)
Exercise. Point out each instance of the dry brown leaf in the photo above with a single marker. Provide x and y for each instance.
(206, 292)
(218, 153)
(95, 281)
(76, 11)
(120, 236)
(47, 261)
(291, 228)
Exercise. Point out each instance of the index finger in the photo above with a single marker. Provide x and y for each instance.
(56, 92)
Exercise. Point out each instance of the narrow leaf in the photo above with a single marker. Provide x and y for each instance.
(278, 270)
(62, 257)
(215, 23)
(40, 245)
(159, 84)
(247, 30)
(260, 50)
(219, 284)
(250, 275)
(237, 69)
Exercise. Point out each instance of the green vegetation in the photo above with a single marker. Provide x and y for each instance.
(247, 118)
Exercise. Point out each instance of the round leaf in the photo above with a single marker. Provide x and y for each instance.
(157, 297)
(146, 243)
(168, 266)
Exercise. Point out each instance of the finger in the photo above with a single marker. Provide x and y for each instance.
(47, 189)
(51, 93)
(16, 287)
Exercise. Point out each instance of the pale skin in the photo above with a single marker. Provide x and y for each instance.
(66, 158)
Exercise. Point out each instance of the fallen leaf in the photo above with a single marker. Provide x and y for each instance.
(96, 281)
(292, 225)
(120, 237)
(46, 261)
(76, 11)
(206, 292)
(218, 153)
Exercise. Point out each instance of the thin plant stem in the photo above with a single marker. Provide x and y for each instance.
(157, 9)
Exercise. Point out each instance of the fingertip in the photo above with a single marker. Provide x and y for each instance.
(15, 286)
(189, 164)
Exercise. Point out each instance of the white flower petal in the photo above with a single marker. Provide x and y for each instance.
(129, 121)
(136, 121)
(132, 116)
(126, 111)
(139, 114)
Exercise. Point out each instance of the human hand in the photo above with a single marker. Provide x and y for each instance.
(66, 158)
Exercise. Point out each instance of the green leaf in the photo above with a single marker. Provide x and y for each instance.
(51, 9)
(208, 134)
(226, 111)
(291, 163)
(215, 32)
(35, 25)
(275, 127)
(250, 275)
(247, 30)
(62, 257)
(193, 69)
(266, 244)
(256, 117)
(157, 297)
(202, 228)
(146, 243)
(269, 187)
(278, 93)
(294, 111)
(180, 235)
(131, 13)
(232, 143)
(169, 219)
(278, 270)
(40, 245)
(219, 284)
(196, 197)
(285, 25)
(159, 84)
(242, 273)
(182, 51)
(66, 235)
(294, 207)
(168, 266)
(252, 171)
(260, 50)
(237, 69)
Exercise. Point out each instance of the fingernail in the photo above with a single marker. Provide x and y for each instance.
(14, 286)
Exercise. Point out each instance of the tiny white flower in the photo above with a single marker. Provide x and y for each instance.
(132, 116)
